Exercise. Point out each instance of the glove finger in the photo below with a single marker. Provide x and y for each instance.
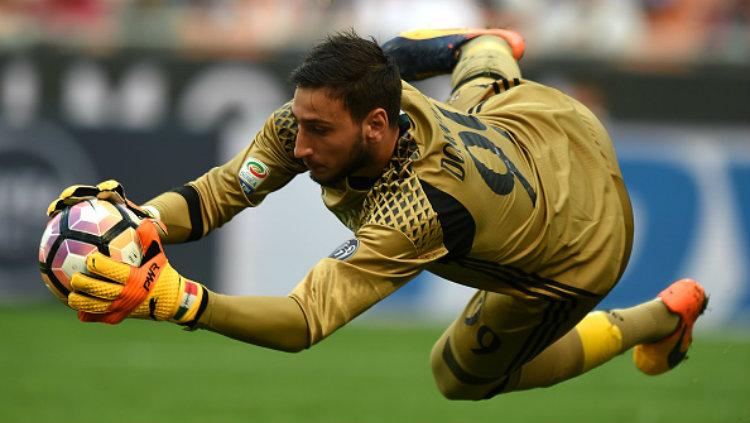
(112, 190)
(111, 185)
(79, 191)
(101, 265)
(112, 197)
(55, 206)
(62, 203)
(71, 195)
(89, 305)
(95, 287)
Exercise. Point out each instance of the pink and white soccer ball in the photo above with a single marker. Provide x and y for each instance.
(78, 231)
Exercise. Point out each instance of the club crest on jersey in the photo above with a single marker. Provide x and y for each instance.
(345, 250)
(252, 173)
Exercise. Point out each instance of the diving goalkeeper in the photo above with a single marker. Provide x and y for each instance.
(510, 187)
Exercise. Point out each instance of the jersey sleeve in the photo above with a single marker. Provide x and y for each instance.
(210, 201)
(399, 237)
(359, 274)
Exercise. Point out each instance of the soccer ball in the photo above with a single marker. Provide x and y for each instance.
(78, 231)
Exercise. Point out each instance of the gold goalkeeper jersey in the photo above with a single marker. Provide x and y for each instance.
(521, 195)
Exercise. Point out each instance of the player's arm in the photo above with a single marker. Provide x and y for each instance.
(272, 322)
(111, 291)
(362, 272)
(267, 164)
(355, 277)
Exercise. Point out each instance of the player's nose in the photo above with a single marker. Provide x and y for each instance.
(301, 148)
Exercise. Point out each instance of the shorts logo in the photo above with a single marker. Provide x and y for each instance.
(252, 174)
(345, 250)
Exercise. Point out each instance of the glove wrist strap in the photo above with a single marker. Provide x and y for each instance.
(192, 302)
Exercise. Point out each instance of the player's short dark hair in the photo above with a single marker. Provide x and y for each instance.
(354, 70)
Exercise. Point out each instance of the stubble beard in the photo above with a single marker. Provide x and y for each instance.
(359, 157)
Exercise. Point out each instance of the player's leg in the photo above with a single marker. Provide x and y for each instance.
(482, 352)
(661, 331)
(424, 53)
(486, 67)
(503, 343)
(599, 337)
(476, 58)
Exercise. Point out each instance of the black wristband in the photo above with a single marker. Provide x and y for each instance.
(190, 194)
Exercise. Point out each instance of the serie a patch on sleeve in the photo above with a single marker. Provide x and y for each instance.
(252, 173)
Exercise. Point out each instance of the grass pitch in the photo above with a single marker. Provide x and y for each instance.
(55, 369)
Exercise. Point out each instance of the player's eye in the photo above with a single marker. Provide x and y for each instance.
(320, 130)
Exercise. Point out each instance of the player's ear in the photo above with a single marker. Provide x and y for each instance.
(376, 123)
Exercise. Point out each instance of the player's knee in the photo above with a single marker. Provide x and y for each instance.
(455, 391)
(440, 372)
(448, 385)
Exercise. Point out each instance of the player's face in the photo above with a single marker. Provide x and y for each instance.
(330, 143)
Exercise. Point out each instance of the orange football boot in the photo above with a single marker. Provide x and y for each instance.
(688, 299)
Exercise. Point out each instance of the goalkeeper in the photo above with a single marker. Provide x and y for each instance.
(510, 187)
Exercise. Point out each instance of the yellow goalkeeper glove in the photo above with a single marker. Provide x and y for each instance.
(109, 190)
(152, 291)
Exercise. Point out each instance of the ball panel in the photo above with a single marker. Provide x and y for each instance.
(70, 258)
(126, 247)
(51, 232)
(93, 217)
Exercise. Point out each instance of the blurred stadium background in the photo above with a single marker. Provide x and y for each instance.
(153, 93)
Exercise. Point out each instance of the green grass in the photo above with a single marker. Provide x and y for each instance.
(55, 369)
